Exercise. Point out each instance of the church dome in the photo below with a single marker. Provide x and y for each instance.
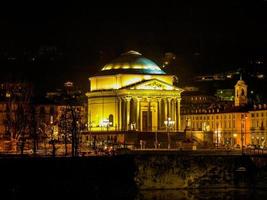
(131, 62)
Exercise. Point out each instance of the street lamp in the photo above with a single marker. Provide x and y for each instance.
(169, 123)
(105, 123)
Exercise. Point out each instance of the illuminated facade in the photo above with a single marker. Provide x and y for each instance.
(228, 122)
(258, 125)
(132, 93)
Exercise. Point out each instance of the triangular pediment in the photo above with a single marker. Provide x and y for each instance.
(153, 84)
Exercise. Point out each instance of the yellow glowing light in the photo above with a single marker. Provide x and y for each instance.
(235, 135)
(117, 67)
(55, 130)
(137, 67)
(108, 67)
(8, 95)
(125, 67)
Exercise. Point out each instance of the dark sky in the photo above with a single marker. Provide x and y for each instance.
(205, 36)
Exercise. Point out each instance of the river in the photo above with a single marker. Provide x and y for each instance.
(222, 194)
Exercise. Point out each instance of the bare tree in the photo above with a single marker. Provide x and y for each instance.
(18, 100)
(71, 119)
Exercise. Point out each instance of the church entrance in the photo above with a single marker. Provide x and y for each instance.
(146, 120)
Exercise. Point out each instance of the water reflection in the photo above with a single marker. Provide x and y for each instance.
(202, 194)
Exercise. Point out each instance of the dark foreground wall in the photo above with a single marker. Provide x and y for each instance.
(106, 177)
(84, 177)
(183, 171)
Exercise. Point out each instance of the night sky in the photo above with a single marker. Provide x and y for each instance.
(204, 36)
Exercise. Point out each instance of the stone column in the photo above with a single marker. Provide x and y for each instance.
(174, 113)
(169, 107)
(128, 100)
(148, 114)
(178, 116)
(165, 109)
(159, 113)
(138, 99)
(119, 113)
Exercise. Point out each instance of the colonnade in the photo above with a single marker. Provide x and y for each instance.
(135, 111)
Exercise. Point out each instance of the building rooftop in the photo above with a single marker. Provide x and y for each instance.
(131, 62)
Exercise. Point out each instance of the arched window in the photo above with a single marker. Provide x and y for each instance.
(110, 119)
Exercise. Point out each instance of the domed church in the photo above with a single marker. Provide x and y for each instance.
(132, 93)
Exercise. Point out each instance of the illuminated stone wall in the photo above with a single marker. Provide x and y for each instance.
(101, 109)
(227, 127)
(122, 80)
